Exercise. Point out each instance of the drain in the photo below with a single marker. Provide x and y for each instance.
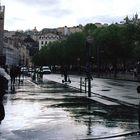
(105, 90)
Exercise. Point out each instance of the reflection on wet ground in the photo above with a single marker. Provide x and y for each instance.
(54, 111)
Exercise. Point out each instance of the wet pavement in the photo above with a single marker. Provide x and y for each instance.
(115, 91)
(53, 111)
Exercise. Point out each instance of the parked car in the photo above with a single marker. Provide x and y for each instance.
(30, 70)
(46, 70)
(24, 71)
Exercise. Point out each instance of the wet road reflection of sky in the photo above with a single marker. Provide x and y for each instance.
(56, 112)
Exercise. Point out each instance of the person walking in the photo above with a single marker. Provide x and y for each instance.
(4, 78)
(18, 74)
(13, 75)
(65, 72)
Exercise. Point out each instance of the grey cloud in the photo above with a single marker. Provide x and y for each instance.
(11, 22)
(56, 12)
(48, 7)
(17, 19)
(100, 19)
(39, 2)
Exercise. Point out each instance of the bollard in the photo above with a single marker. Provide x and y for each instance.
(85, 86)
(138, 91)
(89, 87)
(81, 84)
(34, 76)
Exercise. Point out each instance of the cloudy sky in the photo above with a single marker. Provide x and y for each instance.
(26, 14)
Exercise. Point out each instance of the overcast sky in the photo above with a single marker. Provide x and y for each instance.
(26, 14)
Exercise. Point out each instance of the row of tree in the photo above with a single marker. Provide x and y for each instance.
(116, 46)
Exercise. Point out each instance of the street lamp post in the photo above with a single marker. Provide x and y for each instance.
(89, 41)
(79, 72)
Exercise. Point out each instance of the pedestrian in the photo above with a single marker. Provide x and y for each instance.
(18, 74)
(65, 72)
(135, 72)
(4, 78)
(3, 83)
(2, 112)
(13, 74)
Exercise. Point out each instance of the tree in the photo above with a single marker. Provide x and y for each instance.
(74, 48)
(107, 40)
(116, 45)
(89, 29)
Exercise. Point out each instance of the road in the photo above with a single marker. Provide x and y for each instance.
(53, 111)
(117, 90)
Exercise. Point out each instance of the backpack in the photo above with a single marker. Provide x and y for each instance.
(3, 86)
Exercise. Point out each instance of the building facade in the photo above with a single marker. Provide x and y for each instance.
(2, 12)
(58, 34)
(15, 50)
(45, 39)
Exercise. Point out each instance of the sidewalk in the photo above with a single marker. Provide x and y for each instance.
(54, 111)
(121, 76)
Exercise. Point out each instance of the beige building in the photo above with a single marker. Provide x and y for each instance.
(14, 49)
(75, 29)
(45, 39)
(68, 30)
(61, 33)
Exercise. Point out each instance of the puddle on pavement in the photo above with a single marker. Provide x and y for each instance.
(51, 113)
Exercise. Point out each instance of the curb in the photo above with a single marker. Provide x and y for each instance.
(116, 136)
